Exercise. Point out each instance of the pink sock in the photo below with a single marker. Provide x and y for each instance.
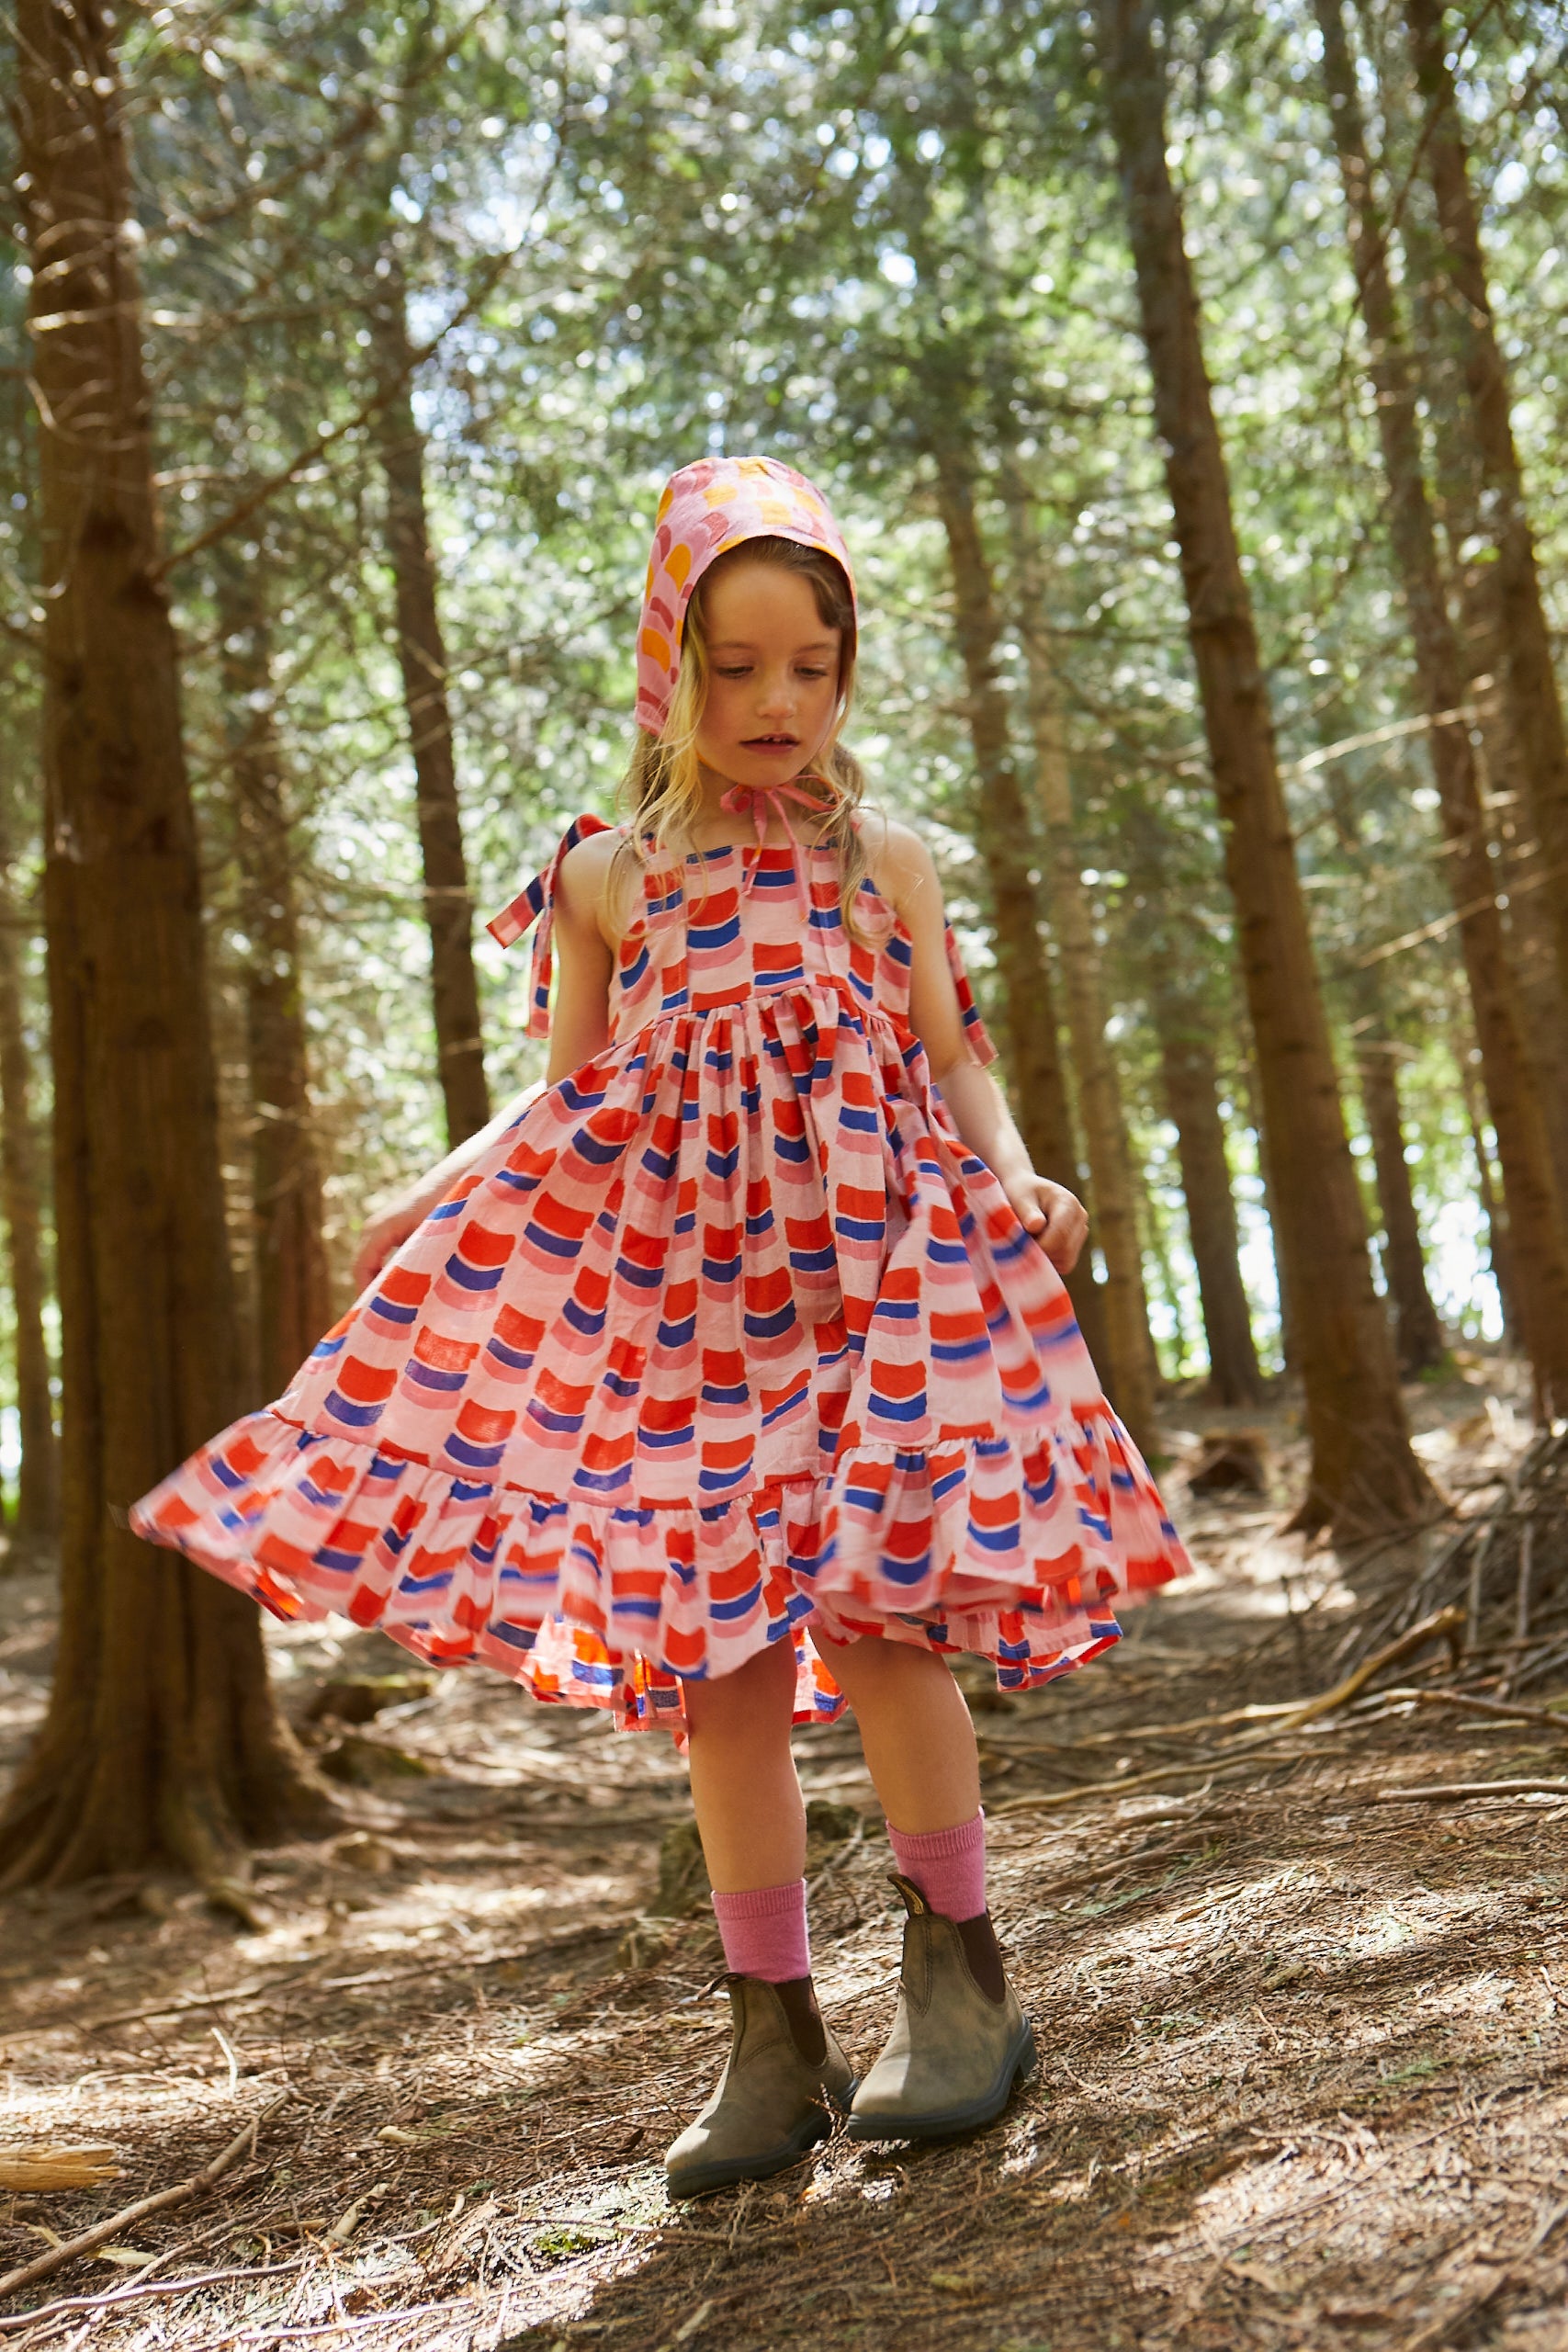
(764, 1932)
(947, 1865)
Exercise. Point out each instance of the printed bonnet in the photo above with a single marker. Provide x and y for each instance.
(707, 508)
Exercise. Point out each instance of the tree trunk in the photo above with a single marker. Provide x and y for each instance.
(1498, 1255)
(1525, 874)
(293, 1303)
(1529, 681)
(1029, 1012)
(1363, 1473)
(22, 1201)
(1154, 1228)
(422, 654)
(1419, 1333)
(1191, 1083)
(161, 1736)
(1537, 1233)
(1132, 1363)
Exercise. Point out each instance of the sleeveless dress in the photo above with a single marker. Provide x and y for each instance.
(727, 1335)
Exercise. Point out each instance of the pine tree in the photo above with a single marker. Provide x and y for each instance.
(161, 1736)
(1363, 1473)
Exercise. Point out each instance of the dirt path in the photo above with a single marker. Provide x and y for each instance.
(1304, 2073)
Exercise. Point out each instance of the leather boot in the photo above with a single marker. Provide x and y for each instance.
(955, 2053)
(772, 2103)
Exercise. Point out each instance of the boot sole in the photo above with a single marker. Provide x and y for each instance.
(699, 2180)
(946, 2124)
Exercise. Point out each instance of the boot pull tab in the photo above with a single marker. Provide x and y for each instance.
(914, 1902)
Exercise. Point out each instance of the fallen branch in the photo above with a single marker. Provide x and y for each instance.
(1503, 1709)
(1467, 1789)
(141, 2290)
(176, 2008)
(101, 2232)
(1444, 1624)
(1229, 1761)
(183, 2005)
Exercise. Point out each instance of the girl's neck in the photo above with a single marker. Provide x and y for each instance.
(800, 803)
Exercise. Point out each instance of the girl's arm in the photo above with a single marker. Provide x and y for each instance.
(579, 1029)
(908, 881)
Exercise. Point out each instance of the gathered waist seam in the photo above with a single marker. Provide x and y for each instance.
(860, 1015)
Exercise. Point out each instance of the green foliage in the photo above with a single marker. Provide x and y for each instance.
(836, 234)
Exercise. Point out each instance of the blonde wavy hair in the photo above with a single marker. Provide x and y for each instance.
(662, 789)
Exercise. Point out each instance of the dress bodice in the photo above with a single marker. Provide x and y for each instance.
(733, 924)
(728, 925)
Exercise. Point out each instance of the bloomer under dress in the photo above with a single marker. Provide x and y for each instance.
(729, 1334)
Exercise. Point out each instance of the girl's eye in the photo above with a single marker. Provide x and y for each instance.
(813, 673)
(743, 672)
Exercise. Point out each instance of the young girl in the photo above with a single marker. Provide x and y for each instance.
(731, 1377)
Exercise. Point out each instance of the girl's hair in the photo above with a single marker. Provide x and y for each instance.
(664, 785)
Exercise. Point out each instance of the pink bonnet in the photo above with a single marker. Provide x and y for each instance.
(707, 509)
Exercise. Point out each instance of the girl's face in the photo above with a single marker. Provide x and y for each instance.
(772, 676)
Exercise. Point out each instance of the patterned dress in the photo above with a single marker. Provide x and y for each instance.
(727, 1335)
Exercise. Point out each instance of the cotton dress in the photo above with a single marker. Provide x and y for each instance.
(728, 1336)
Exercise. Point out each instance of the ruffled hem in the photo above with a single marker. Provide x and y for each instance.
(1010, 1547)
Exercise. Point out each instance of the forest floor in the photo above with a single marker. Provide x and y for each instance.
(1304, 2054)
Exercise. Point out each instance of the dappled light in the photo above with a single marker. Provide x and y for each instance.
(783, 1176)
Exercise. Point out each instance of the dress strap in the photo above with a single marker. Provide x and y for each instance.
(536, 899)
(976, 1035)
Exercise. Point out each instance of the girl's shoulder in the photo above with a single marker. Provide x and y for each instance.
(587, 887)
(900, 864)
(589, 861)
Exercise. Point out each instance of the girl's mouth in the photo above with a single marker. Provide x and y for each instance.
(773, 743)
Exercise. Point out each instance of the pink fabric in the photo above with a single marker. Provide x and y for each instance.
(707, 509)
(763, 1931)
(947, 1865)
(727, 1335)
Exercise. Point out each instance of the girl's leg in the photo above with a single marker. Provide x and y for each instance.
(772, 2103)
(751, 1818)
(919, 1744)
(960, 2039)
(915, 1729)
(748, 1800)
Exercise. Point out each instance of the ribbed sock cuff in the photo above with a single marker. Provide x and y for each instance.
(763, 1932)
(947, 1865)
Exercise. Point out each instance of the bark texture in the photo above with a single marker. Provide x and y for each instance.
(161, 1735)
(293, 1302)
(1418, 1330)
(1133, 1362)
(1523, 871)
(422, 654)
(1499, 1256)
(1005, 839)
(1191, 1085)
(1529, 679)
(1363, 1473)
(37, 1522)
(1535, 1223)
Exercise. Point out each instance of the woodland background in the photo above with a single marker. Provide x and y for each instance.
(1190, 382)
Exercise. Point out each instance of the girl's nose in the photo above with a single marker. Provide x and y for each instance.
(775, 695)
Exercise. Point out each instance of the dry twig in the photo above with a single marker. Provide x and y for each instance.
(101, 2232)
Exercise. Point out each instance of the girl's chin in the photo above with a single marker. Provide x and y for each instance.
(740, 765)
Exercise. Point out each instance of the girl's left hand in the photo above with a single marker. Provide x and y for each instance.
(1056, 1219)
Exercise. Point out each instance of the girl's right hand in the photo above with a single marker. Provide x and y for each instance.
(383, 1235)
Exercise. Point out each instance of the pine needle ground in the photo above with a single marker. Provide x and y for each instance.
(1305, 2074)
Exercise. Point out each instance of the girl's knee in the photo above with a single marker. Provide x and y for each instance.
(756, 1699)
